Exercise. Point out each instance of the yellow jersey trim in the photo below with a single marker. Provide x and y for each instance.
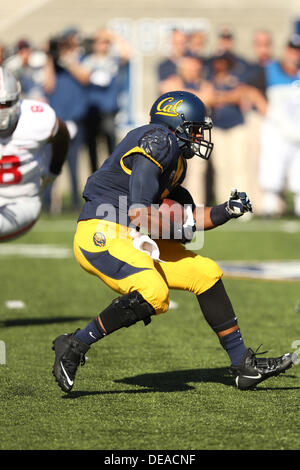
(176, 178)
(137, 150)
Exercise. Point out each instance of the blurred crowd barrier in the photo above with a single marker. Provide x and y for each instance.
(94, 86)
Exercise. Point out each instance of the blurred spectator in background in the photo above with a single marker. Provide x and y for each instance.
(65, 83)
(190, 78)
(280, 151)
(262, 48)
(230, 157)
(196, 42)
(168, 66)
(27, 66)
(226, 44)
(262, 41)
(109, 54)
(224, 94)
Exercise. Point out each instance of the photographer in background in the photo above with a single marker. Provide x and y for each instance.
(27, 65)
(65, 85)
(106, 64)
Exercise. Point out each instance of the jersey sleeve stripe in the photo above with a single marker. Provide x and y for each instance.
(141, 151)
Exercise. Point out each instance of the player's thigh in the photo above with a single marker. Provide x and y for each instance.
(17, 216)
(186, 270)
(114, 260)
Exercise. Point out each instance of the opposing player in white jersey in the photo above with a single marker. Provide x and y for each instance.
(26, 127)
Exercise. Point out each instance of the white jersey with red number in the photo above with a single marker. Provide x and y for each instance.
(22, 160)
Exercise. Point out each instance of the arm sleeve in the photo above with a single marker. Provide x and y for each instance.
(144, 181)
(60, 145)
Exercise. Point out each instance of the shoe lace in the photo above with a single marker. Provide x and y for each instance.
(269, 363)
(256, 353)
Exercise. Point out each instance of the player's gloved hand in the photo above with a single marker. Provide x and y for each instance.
(189, 226)
(144, 243)
(238, 204)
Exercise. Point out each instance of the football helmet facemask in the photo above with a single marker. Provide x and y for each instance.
(10, 102)
(185, 114)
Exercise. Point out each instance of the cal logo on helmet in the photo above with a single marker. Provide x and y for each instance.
(99, 239)
(167, 107)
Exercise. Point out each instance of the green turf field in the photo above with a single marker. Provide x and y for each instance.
(161, 387)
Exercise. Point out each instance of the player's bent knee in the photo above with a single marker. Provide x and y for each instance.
(17, 216)
(162, 305)
(158, 298)
(208, 272)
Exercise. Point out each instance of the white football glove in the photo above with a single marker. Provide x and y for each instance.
(189, 226)
(145, 244)
(238, 204)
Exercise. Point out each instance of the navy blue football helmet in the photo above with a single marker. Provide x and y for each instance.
(185, 114)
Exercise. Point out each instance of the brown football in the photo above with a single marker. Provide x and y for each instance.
(173, 210)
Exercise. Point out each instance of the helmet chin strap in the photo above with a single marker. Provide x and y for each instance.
(185, 148)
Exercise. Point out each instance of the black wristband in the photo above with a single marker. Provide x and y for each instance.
(219, 214)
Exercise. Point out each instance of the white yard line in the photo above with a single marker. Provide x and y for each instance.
(14, 304)
(267, 270)
(35, 251)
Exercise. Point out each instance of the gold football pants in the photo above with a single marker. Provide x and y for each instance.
(105, 249)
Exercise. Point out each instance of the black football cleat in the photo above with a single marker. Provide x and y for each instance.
(253, 370)
(69, 353)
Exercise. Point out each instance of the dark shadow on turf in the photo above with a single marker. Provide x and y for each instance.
(178, 380)
(86, 393)
(175, 381)
(39, 321)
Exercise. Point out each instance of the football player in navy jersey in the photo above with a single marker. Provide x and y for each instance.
(148, 166)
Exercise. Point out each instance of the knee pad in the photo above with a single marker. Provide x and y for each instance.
(126, 311)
